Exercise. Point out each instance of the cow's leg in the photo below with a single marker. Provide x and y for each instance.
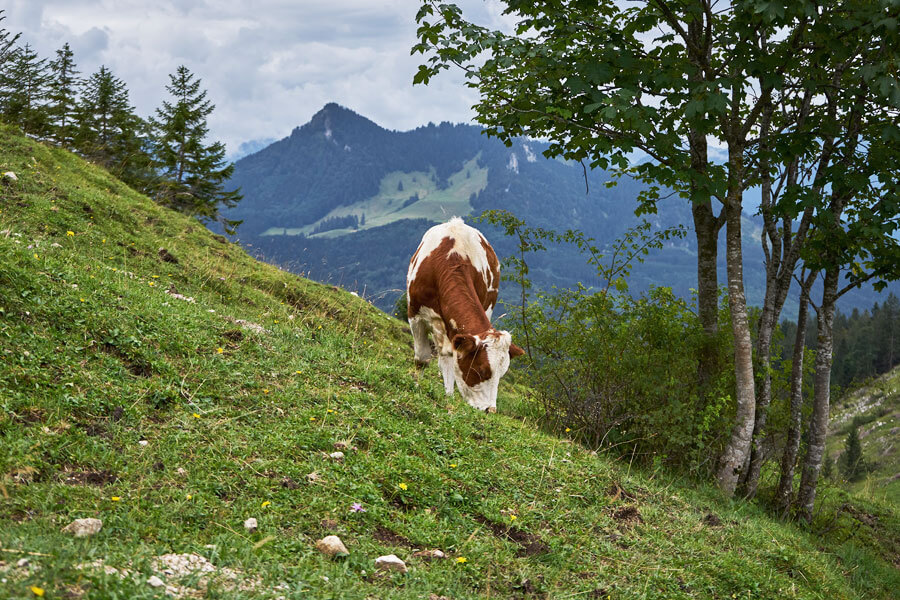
(446, 363)
(421, 345)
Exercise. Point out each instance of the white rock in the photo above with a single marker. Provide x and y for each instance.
(430, 554)
(332, 546)
(83, 527)
(155, 581)
(250, 525)
(390, 563)
(10, 175)
(337, 456)
(23, 562)
(143, 443)
(181, 471)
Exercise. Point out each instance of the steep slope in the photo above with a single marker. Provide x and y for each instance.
(875, 410)
(154, 376)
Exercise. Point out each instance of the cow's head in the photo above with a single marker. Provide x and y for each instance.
(480, 362)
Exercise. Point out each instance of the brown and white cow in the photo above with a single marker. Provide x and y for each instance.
(451, 288)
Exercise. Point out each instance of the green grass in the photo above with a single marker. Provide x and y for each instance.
(96, 357)
(875, 408)
(387, 206)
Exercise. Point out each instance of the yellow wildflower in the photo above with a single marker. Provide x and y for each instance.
(461, 559)
(452, 465)
(196, 415)
(265, 504)
(402, 486)
(568, 430)
(220, 350)
(188, 496)
(513, 517)
(312, 418)
(115, 498)
(265, 390)
(70, 234)
(330, 410)
(37, 591)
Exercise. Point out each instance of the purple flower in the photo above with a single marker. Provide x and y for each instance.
(357, 507)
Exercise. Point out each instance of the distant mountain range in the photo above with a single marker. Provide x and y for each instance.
(346, 201)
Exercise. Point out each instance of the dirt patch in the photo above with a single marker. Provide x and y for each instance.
(616, 491)
(329, 524)
(94, 429)
(233, 335)
(166, 256)
(28, 415)
(530, 544)
(391, 538)
(628, 515)
(712, 520)
(135, 365)
(79, 476)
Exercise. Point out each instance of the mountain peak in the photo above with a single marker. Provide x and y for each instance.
(335, 119)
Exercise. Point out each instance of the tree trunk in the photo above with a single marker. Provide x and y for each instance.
(818, 426)
(785, 491)
(707, 232)
(738, 448)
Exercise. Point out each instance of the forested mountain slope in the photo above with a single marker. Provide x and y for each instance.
(157, 378)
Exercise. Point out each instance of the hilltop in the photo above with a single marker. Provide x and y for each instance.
(156, 377)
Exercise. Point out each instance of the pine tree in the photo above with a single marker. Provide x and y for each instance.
(7, 49)
(110, 133)
(63, 96)
(194, 173)
(852, 463)
(26, 87)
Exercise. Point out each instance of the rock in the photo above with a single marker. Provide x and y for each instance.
(430, 554)
(332, 545)
(338, 456)
(250, 525)
(181, 471)
(155, 581)
(23, 562)
(10, 176)
(143, 443)
(83, 527)
(390, 563)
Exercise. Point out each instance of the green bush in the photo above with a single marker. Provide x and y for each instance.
(618, 372)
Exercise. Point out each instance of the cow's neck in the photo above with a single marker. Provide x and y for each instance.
(461, 310)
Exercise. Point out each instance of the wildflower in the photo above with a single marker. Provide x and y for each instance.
(104, 240)
(35, 255)
(151, 283)
(37, 591)
(155, 276)
(70, 234)
(298, 372)
(357, 507)
(115, 498)
(330, 410)
(402, 486)
(312, 418)
(568, 430)
(452, 465)
(513, 517)
(220, 350)
(265, 390)
(196, 415)
(276, 320)
(188, 496)
(82, 299)
(461, 560)
(265, 504)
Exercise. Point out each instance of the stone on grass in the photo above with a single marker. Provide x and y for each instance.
(155, 581)
(250, 525)
(338, 456)
(332, 545)
(390, 562)
(10, 176)
(430, 554)
(83, 527)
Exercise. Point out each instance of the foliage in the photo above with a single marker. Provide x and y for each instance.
(331, 223)
(853, 465)
(62, 100)
(193, 173)
(25, 88)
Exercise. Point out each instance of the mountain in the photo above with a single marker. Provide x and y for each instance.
(346, 201)
(176, 394)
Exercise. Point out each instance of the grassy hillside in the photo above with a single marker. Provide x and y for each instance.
(875, 409)
(395, 200)
(157, 378)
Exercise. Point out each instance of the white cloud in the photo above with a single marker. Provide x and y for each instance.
(267, 65)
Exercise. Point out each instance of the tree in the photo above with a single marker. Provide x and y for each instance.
(7, 50)
(26, 84)
(589, 77)
(110, 133)
(194, 174)
(63, 96)
(852, 464)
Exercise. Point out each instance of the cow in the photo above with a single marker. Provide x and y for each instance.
(451, 290)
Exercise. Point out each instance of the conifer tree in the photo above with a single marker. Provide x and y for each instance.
(852, 464)
(110, 133)
(194, 172)
(7, 49)
(63, 96)
(25, 82)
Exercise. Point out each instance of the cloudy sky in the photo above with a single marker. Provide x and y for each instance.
(268, 65)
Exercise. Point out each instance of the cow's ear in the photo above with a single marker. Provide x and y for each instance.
(463, 343)
(515, 351)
